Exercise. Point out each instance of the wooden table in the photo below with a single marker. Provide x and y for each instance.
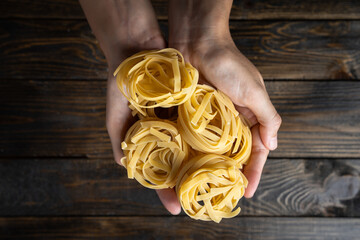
(57, 175)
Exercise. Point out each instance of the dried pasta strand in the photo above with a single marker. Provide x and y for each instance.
(154, 153)
(210, 186)
(162, 113)
(209, 123)
(156, 78)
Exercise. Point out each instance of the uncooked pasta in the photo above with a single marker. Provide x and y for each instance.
(158, 76)
(189, 136)
(209, 122)
(154, 152)
(210, 186)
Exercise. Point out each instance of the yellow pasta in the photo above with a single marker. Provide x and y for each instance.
(241, 149)
(158, 76)
(162, 113)
(160, 87)
(154, 152)
(209, 123)
(210, 186)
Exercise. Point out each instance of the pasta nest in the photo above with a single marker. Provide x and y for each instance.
(209, 123)
(156, 78)
(161, 113)
(154, 153)
(210, 186)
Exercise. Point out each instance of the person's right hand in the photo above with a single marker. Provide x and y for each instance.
(119, 119)
(123, 28)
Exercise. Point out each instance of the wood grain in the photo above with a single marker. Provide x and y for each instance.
(179, 228)
(53, 118)
(242, 9)
(58, 178)
(298, 9)
(320, 119)
(40, 187)
(67, 118)
(38, 49)
(300, 49)
(311, 50)
(47, 9)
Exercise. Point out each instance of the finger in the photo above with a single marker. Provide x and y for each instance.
(248, 114)
(254, 168)
(169, 200)
(259, 103)
(118, 117)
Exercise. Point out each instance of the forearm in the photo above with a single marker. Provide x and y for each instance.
(191, 20)
(121, 25)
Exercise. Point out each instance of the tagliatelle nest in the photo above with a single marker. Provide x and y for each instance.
(154, 152)
(210, 186)
(241, 149)
(209, 123)
(205, 127)
(161, 113)
(161, 77)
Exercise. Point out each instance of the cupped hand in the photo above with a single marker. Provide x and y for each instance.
(119, 118)
(222, 65)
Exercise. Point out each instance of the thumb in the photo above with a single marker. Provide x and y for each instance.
(259, 103)
(169, 200)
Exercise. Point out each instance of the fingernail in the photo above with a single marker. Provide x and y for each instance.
(273, 143)
(177, 211)
(249, 195)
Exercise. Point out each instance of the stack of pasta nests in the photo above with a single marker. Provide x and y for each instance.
(201, 145)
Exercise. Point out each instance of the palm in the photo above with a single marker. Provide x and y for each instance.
(119, 119)
(228, 70)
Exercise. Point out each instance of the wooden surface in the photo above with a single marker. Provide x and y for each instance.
(67, 118)
(58, 178)
(66, 49)
(179, 228)
(241, 10)
(293, 187)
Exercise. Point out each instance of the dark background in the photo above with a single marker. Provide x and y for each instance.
(57, 175)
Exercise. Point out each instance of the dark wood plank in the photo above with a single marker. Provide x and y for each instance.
(53, 118)
(67, 118)
(242, 9)
(49, 50)
(301, 49)
(281, 50)
(53, 9)
(72, 187)
(179, 228)
(30, 187)
(298, 9)
(320, 119)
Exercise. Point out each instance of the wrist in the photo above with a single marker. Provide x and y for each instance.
(129, 39)
(120, 49)
(196, 24)
(122, 27)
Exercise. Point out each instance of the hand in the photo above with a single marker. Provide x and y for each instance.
(123, 28)
(204, 39)
(119, 119)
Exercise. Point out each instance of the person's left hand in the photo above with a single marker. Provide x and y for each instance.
(222, 65)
